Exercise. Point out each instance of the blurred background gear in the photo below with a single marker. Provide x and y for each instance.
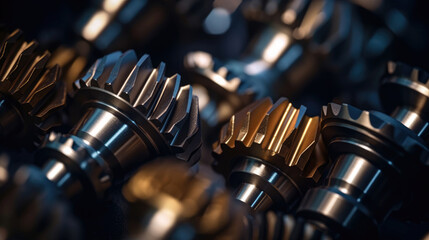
(167, 201)
(278, 225)
(30, 92)
(220, 93)
(127, 113)
(31, 208)
(377, 158)
(270, 154)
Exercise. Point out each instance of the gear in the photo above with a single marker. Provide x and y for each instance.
(192, 205)
(270, 150)
(404, 92)
(128, 114)
(30, 92)
(377, 160)
(220, 93)
(30, 207)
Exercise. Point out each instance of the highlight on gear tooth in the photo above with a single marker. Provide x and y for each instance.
(170, 107)
(30, 91)
(278, 138)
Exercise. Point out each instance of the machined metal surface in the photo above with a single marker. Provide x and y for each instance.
(127, 113)
(377, 160)
(30, 92)
(270, 154)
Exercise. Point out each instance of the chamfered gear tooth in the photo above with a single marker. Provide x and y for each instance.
(99, 72)
(149, 93)
(180, 113)
(133, 84)
(121, 71)
(278, 136)
(31, 89)
(166, 101)
(135, 115)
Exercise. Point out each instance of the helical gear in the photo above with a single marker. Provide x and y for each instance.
(377, 161)
(31, 92)
(128, 113)
(267, 147)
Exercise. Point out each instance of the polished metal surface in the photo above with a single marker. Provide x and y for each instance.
(377, 161)
(127, 113)
(405, 95)
(270, 154)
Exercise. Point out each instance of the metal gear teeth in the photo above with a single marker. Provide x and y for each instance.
(171, 108)
(378, 124)
(398, 69)
(232, 92)
(277, 133)
(26, 80)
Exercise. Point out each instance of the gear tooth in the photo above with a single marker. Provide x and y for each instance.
(273, 117)
(149, 93)
(165, 101)
(120, 71)
(15, 69)
(252, 122)
(180, 112)
(187, 142)
(42, 88)
(136, 79)
(100, 71)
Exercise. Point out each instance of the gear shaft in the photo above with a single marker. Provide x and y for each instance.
(127, 114)
(378, 158)
(270, 154)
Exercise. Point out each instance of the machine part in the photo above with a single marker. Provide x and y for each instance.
(128, 114)
(30, 207)
(30, 93)
(377, 160)
(270, 154)
(277, 225)
(167, 201)
(220, 93)
(404, 93)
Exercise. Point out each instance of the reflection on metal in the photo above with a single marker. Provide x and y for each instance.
(127, 114)
(270, 154)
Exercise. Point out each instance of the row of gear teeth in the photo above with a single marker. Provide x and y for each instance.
(379, 125)
(171, 108)
(278, 133)
(29, 83)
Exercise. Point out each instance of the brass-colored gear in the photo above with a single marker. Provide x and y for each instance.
(30, 91)
(168, 186)
(278, 135)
